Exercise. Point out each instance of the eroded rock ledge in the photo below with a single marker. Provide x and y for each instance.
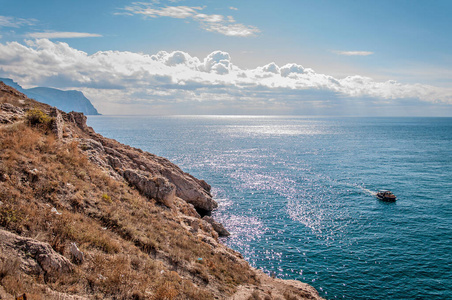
(116, 158)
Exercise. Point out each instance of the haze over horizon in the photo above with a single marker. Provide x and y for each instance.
(353, 58)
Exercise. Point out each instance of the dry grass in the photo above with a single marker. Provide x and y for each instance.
(9, 275)
(130, 244)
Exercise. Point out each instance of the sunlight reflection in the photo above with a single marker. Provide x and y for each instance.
(272, 130)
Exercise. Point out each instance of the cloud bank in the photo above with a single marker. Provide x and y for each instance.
(225, 25)
(176, 82)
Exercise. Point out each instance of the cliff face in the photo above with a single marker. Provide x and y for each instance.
(64, 100)
(86, 217)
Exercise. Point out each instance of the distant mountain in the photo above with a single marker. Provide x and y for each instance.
(67, 101)
(12, 84)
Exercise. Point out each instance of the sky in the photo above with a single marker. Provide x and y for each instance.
(286, 57)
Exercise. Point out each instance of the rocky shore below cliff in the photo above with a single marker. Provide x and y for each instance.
(86, 217)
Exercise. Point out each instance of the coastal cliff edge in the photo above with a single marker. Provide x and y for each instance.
(83, 216)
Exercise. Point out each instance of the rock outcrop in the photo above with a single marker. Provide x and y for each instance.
(78, 118)
(9, 113)
(58, 123)
(218, 227)
(35, 257)
(77, 255)
(116, 158)
(158, 188)
(273, 288)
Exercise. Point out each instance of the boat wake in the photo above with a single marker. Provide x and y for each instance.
(367, 191)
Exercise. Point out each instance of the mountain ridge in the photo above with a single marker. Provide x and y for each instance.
(67, 101)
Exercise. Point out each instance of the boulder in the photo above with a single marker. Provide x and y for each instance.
(77, 255)
(189, 190)
(35, 257)
(158, 188)
(218, 227)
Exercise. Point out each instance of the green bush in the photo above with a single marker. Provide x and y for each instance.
(36, 117)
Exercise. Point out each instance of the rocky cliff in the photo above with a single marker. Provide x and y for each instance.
(64, 100)
(86, 217)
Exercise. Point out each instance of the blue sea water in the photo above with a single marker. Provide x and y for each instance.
(298, 195)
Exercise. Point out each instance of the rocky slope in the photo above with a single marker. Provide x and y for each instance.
(86, 217)
(64, 100)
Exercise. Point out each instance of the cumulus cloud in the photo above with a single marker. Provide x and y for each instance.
(272, 68)
(115, 79)
(61, 35)
(225, 25)
(218, 62)
(294, 69)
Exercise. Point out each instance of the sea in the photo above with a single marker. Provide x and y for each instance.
(298, 195)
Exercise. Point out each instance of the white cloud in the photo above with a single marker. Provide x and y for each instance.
(6, 21)
(231, 29)
(218, 62)
(179, 12)
(120, 81)
(225, 25)
(293, 69)
(61, 35)
(233, 8)
(209, 18)
(272, 68)
(354, 53)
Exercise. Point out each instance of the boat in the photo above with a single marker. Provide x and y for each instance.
(386, 196)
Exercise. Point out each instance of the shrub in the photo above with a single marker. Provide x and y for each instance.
(9, 216)
(106, 198)
(36, 117)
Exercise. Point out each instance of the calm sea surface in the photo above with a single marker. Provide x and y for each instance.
(298, 195)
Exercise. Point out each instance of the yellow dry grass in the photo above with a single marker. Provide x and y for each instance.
(134, 249)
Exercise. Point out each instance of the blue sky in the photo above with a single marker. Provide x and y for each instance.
(329, 57)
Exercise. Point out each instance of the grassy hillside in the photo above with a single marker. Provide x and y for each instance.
(55, 191)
